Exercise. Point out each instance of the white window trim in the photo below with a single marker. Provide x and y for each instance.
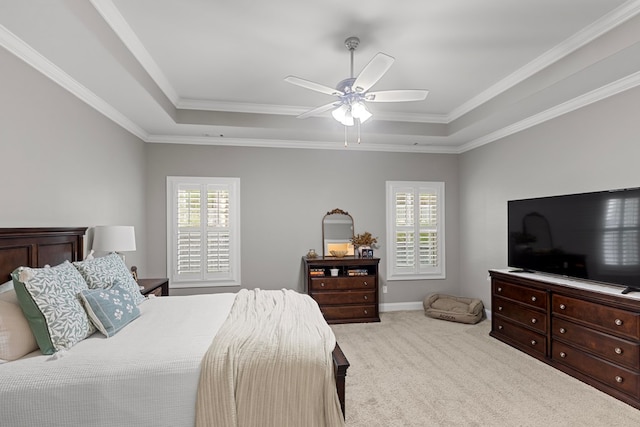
(436, 273)
(234, 189)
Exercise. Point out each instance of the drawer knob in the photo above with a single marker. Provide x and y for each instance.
(499, 308)
(500, 327)
(366, 297)
(562, 306)
(499, 289)
(563, 354)
(366, 312)
(534, 320)
(619, 379)
(534, 299)
(563, 330)
(365, 283)
(534, 342)
(618, 350)
(322, 284)
(618, 322)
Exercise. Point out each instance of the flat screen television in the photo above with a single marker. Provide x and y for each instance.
(590, 236)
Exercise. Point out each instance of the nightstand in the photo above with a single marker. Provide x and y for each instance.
(157, 287)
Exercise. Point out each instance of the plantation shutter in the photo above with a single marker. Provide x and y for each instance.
(415, 229)
(203, 231)
(189, 237)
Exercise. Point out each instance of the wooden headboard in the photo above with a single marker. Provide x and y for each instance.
(37, 247)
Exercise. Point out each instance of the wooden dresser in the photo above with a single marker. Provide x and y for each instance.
(589, 331)
(349, 297)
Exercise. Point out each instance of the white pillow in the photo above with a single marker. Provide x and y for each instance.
(16, 338)
(6, 287)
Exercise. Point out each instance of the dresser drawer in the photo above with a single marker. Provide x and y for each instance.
(606, 346)
(345, 297)
(515, 311)
(343, 312)
(614, 376)
(526, 340)
(354, 282)
(615, 320)
(533, 297)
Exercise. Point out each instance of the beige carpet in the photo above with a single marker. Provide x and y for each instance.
(411, 370)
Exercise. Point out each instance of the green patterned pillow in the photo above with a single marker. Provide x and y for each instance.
(105, 271)
(111, 309)
(48, 298)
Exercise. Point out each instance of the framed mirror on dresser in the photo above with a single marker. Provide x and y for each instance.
(337, 232)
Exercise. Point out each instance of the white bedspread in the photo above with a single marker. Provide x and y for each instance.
(146, 375)
(270, 365)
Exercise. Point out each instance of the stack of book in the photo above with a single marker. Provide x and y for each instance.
(358, 272)
(316, 272)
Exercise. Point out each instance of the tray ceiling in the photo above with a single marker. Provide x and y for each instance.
(204, 72)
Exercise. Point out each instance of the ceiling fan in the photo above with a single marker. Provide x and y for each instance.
(353, 92)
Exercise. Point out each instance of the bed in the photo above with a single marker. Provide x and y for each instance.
(147, 374)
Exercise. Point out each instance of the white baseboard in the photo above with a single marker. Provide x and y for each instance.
(401, 306)
(407, 306)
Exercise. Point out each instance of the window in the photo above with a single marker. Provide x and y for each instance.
(415, 230)
(203, 231)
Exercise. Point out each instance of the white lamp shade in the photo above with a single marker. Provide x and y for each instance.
(114, 238)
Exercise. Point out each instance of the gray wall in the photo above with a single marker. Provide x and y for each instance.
(284, 195)
(63, 163)
(594, 148)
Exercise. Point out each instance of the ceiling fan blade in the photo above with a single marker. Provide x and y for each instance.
(318, 110)
(396, 95)
(313, 85)
(372, 72)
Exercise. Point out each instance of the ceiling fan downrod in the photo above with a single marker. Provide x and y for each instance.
(352, 43)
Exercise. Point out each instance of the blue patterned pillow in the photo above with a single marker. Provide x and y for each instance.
(48, 298)
(103, 272)
(111, 309)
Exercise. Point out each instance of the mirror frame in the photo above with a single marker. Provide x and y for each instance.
(325, 249)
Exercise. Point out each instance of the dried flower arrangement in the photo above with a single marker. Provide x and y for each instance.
(364, 239)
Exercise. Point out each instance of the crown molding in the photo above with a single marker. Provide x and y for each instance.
(313, 145)
(26, 53)
(614, 88)
(238, 107)
(573, 43)
(121, 28)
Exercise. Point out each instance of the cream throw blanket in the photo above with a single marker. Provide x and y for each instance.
(270, 365)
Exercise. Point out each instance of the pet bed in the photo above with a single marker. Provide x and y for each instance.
(455, 309)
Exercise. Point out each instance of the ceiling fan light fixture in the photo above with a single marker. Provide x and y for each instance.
(343, 115)
(359, 111)
(353, 92)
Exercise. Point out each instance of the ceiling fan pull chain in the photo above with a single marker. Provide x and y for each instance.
(345, 137)
(358, 121)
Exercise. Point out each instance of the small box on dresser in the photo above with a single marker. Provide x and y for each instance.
(349, 297)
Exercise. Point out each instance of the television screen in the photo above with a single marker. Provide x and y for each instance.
(592, 236)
